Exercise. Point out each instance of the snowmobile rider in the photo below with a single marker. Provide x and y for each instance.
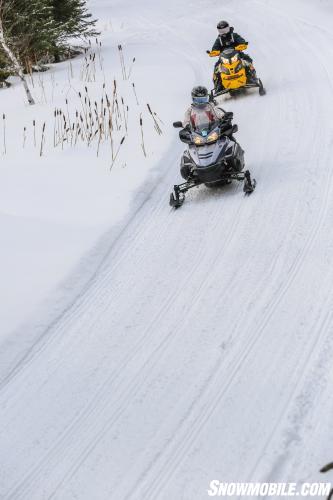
(200, 103)
(227, 38)
(202, 109)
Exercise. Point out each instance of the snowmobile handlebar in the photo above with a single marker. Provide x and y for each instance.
(241, 46)
(213, 53)
(225, 126)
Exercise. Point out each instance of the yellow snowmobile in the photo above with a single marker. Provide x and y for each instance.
(231, 75)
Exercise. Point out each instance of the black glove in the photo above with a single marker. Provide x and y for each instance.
(228, 116)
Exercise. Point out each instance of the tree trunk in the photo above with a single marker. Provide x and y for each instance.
(16, 64)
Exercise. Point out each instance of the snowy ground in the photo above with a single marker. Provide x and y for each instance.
(145, 352)
(54, 208)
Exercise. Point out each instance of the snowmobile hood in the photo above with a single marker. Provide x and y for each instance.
(209, 154)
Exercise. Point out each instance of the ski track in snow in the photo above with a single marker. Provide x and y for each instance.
(201, 348)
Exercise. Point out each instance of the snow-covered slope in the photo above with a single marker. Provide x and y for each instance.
(197, 344)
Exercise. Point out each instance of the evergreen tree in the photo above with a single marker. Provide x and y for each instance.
(35, 29)
(73, 19)
(4, 71)
(30, 28)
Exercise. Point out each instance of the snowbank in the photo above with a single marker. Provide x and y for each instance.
(55, 207)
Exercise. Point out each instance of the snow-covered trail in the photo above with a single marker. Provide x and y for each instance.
(202, 348)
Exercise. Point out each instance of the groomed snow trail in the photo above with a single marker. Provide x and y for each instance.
(202, 348)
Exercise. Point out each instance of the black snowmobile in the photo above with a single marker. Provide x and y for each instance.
(213, 157)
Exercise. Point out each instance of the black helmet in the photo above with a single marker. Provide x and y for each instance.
(200, 95)
(223, 28)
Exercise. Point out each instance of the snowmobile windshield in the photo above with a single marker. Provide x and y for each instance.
(229, 56)
(203, 120)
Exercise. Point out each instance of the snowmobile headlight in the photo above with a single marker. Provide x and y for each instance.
(234, 58)
(213, 136)
(225, 60)
(198, 141)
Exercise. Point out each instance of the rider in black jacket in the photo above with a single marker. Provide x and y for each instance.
(229, 39)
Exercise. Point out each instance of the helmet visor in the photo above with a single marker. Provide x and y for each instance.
(223, 31)
(201, 100)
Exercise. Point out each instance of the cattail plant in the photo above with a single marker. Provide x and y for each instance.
(114, 94)
(4, 133)
(122, 61)
(142, 137)
(42, 140)
(104, 119)
(99, 138)
(118, 113)
(77, 133)
(59, 124)
(110, 136)
(93, 67)
(95, 121)
(99, 48)
(127, 111)
(156, 125)
(55, 128)
(124, 113)
(63, 131)
(68, 118)
(136, 97)
(24, 136)
(158, 118)
(84, 108)
(117, 152)
(131, 68)
(34, 127)
(84, 129)
(72, 133)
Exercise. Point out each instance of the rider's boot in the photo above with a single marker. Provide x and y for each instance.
(251, 73)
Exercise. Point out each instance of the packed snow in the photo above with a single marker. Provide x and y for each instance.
(146, 351)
